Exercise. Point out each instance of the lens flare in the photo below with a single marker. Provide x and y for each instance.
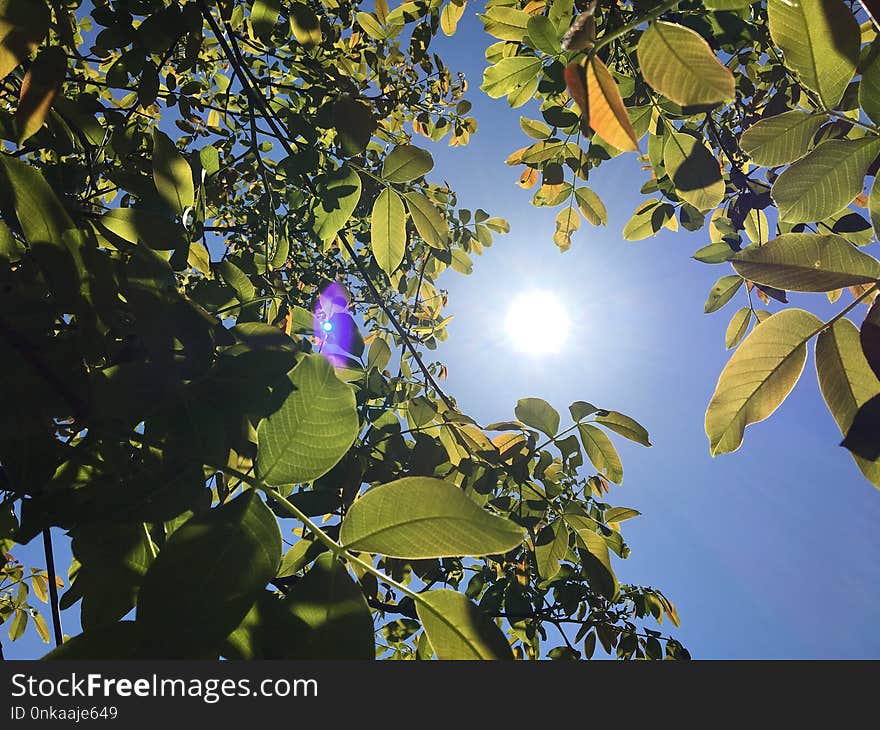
(537, 323)
(333, 327)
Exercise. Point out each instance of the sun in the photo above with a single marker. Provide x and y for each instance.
(537, 323)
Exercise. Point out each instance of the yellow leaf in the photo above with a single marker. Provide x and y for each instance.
(607, 114)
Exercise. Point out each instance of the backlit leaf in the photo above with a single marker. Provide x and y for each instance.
(780, 139)
(677, 62)
(608, 116)
(424, 517)
(40, 86)
(846, 381)
(820, 43)
(172, 174)
(538, 413)
(406, 162)
(457, 629)
(807, 262)
(388, 230)
(758, 377)
(311, 430)
(601, 452)
(338, 195)
(694, 171)
(722, 292)
(825, 181)
(431, 226)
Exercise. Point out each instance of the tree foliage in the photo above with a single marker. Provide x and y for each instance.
(757, 120)
(219, 248)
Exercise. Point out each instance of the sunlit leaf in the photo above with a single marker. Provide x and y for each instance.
(388, 230)
(601, 452)
(539, 414)
(608, 116)
(846, 381)
(825, 181)
(677, 62)
(406, 162)
(311, 430)
(759, 376)
(431, 226)
(424, 517)
(458, 629)
(820, 43)
(172, 174)
(807, 262)
(780, 139)
(40, 86)
(694, 171)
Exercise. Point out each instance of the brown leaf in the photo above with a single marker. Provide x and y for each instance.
(576, 83)
(39, 88)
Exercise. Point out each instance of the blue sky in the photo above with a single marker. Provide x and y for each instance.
(769, 552)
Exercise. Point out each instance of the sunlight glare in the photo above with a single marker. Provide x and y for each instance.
(537, 323)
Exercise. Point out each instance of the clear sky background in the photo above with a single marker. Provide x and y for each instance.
(770, 552)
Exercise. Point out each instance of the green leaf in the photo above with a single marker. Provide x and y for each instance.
(539, 414)
(354, 124)
(42, 217)
(264, 16)
(244, 288)
(338, 195)
(581, 409)
(379, 354)
(311, 430)
(714, 253)
(510, 74)
(172, 174)
(305, 25)
(424, 517)
(870, 336)
(758, 377)
(591, 206)
(457, 629)
(625, 426)
(450, 15)
(820, 41)
(123, 640)
(551, 546)
(406, 162)
(869, 90)
(431, 226)
(727, 4)
(19, 623)
(388, 230)
(677, 62)
(781, 139)
(874, 206)
(601, 452)
(847, 382)
(506, 24)
(372, 27)
(722, 292)
(807, 262)
(542, 35)
(23, 24)
(862, 436)
(598, 563)
(208, 575)
(739, 325)
(535, 129)
(825, 181)
(694, 171)
(619, 514)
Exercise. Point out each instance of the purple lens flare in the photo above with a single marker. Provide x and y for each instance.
(333, 327)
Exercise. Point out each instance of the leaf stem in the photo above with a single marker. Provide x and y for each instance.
(632, 25)
(331, 544)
